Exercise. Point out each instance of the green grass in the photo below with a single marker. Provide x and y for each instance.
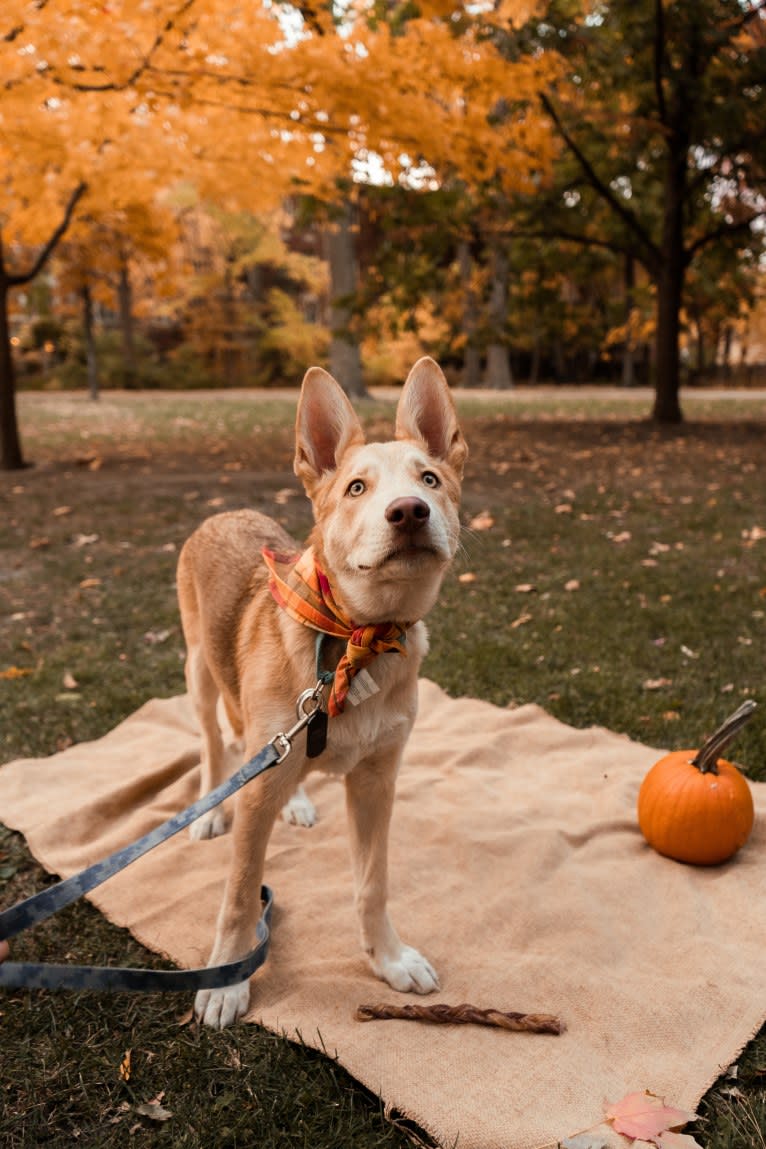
(644, 567)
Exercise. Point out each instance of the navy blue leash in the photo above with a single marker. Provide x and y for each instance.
(45, 903)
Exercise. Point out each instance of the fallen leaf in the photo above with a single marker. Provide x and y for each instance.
(525, 588)
(90, 583)
(573, 584)
(153, 1110)
(69, 681)
(689, 653)
(481, 522)
(59, 511)
(645, 1115)
(656, 683)
(584, 1141)
(467, 576)
(153, 637)
(676, 1141)
(125, 1065)
(281, 497)
(36, 544)
(218, 501)
(563, 509)
(671, 715)
(84, 540)
(620, 537)
(521, 621)
(16, 672)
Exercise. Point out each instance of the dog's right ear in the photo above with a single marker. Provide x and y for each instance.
(326, 425)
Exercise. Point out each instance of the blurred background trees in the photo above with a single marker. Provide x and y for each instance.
(568, 191)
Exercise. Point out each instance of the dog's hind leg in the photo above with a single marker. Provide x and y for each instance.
(204, 694)
(299, 810)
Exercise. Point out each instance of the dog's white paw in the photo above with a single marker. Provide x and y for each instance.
(218, 1008)
(210, 825)
(408, 971)
(300, 810)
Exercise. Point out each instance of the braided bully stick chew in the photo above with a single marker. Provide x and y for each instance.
(463, 1015)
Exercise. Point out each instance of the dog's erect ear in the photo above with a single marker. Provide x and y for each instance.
(426, 411)
(326, 425)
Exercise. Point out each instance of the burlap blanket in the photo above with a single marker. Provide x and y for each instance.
(516, 866)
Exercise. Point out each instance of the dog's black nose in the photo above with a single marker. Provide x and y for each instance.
(409, 513)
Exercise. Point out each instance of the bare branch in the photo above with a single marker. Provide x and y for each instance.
(138, 71)
(721, 232)
(652, 253)
(24, 277)
(659, 59)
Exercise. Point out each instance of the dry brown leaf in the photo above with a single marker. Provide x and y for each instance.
(525, 588)
(282, 496)
(482, 522)
(15, 672)
(59, 511)
(90, 583)
(154, 637)
(69, 681)
(573, 584)
(521, 621)
(125, 1065)
(153, 1110)
(656, 683)
(467, 576)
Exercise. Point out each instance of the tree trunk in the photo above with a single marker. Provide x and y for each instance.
(472, 355)
(125, 297)
(628, 351)
(11, 458)
(670, 279)
(498, 373)
(345, 355)
(534, 366)
(91, 356)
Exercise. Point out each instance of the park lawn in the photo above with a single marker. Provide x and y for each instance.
(617, 577)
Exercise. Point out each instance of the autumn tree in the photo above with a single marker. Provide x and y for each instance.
(661, 115)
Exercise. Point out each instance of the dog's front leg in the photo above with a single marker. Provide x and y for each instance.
(369, 800)
(256, 810)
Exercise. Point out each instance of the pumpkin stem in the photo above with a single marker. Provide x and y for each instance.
(706, 760)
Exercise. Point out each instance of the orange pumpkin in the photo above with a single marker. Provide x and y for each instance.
(696, 807)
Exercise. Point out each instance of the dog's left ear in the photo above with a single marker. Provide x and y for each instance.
(325, 426)
(426, 411)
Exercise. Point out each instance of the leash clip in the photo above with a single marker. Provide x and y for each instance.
(283, 741)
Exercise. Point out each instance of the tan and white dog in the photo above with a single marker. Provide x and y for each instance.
(386, 530)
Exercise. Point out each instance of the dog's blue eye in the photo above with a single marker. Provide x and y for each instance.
(356, 488)
(430, 479)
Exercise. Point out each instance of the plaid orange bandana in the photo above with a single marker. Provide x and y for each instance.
(300, 587)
